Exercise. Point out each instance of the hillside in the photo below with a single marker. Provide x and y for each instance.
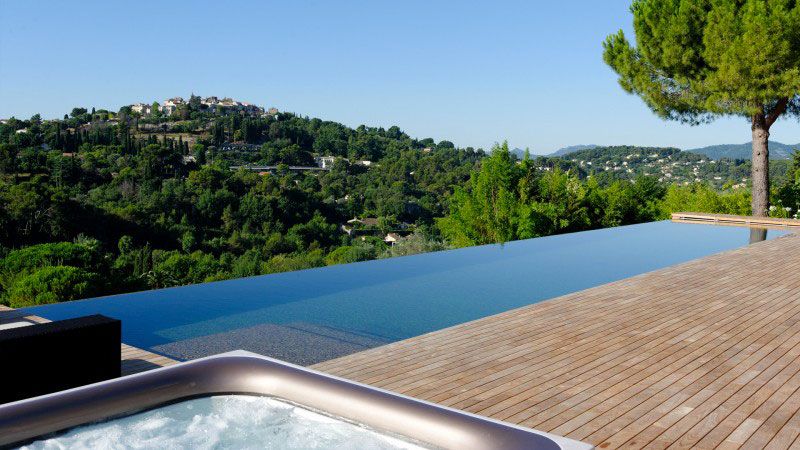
(670, 165)
(777, 150)
(104, 202)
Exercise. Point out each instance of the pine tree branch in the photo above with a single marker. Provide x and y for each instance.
(776, 112)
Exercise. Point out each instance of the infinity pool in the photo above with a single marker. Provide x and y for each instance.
(313, 315)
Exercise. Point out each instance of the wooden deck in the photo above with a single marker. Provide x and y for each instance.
(704, 354)
(134, 360)
(742, 221)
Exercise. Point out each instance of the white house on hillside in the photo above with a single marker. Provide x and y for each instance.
(142, 108)
(170, 105)
(391, 238)
(325, 162)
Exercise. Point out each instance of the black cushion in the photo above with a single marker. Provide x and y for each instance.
(50, 357)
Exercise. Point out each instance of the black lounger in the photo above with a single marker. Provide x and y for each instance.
(49, 357)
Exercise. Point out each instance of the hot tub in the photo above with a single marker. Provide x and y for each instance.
(242, 398)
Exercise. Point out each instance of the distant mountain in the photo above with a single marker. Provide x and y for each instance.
(518, 152)
(744, 151)
(572, 149)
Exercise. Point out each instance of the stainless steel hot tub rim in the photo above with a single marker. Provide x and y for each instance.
(241, 372)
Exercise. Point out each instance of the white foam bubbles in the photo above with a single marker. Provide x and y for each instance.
(224, 422)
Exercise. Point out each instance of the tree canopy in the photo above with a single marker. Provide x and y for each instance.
(507, 200)
(697, 59)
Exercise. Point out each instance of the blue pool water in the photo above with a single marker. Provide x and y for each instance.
(313, 315)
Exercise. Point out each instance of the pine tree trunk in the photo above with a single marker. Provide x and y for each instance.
(760, 160)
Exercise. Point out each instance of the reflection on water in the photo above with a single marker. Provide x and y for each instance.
(758, 235)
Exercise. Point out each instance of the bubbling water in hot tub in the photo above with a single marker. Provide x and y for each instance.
(225, 421)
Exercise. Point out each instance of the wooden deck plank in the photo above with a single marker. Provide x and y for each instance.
(729, 219)
(704, 354)
(686, 373)
(739, 424)
(510, 335)
(628, 394)
(708, 411)
(668, 404)
(781, 428)
(635, 367)
(494, 335)
(618, 333)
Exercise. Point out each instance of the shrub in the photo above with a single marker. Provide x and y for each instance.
(412, 245)
(702, 198)
(351, 253)
(51, 284)
(288, 263)
(19, 263)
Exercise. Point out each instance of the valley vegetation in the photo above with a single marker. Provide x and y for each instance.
(101, 202)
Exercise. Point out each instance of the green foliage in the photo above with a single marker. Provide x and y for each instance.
(667, 164)
(173, 268)
(51, 284)
(507, 201)
(794, 173)
(161, 219)
(287, 263)
(351, 253)
(413, 244)
(697, 59)
(701, 198)
(315, 233)
(21, 263)
(625, 203)
(60, 253)
(787, 196)
(487, 210)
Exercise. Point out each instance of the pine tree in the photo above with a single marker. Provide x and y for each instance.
(696, 60)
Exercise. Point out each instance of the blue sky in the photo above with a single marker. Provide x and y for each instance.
(474, 73)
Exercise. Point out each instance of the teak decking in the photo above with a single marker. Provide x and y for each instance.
(704, 354)
(743, 221)
(134, 360)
